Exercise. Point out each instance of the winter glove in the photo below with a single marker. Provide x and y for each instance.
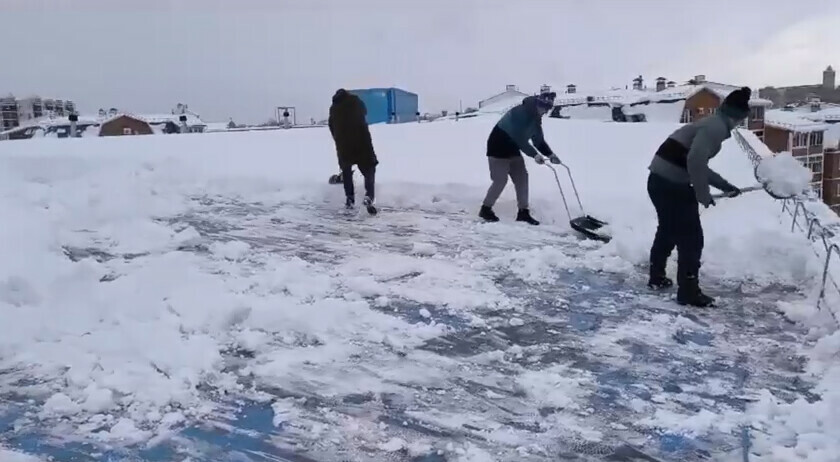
(554, 159)
(710, 203)
(540, 159)
(733, 192)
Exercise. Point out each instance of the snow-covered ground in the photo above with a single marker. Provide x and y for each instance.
(206, 296)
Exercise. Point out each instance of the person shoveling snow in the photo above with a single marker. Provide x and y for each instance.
(679, 180)
(509, 138)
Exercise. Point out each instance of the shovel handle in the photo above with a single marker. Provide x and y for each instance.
(743, 190)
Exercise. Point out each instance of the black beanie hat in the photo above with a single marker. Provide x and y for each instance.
(737, 103)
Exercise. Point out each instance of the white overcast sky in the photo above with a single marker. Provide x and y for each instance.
(242, 58)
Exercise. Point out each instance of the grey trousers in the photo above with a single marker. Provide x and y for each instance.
(500, 169)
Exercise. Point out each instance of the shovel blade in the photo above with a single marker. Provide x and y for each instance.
(589, 226)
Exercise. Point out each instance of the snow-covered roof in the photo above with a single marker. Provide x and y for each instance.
(503, 96)
(788, 120)
(629, 96)
(47, 122)
(719, 89)
(192, 120)
(503, 103)
(616, 96)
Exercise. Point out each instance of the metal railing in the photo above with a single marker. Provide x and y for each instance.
(806, 222)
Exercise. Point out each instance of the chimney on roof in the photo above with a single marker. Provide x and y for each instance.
(815, 103)
(660, 83)
(672, 84)
(545, 88)
(571, 88)
(638, 83)
(73, 119)
(510, 87)
(700, 79)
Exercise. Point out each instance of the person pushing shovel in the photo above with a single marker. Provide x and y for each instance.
(512, 134)
(679, 180)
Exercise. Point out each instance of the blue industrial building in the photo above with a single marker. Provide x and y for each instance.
(388, 105)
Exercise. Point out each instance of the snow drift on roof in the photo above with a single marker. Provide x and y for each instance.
(791, 121)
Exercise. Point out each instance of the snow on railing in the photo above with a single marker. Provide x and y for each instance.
(815, 231)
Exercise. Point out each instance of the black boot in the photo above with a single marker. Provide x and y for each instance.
(659, 281)
(368, 202)
(689, 293)
(349, 203)
(487, 214)
(525, 215)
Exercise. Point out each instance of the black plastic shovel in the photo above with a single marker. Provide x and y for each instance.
(585, 224)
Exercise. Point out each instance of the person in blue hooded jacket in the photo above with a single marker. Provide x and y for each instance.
(511, 136)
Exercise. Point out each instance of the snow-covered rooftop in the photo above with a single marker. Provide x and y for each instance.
(631, 96)
(138, 289)
(793, 121)
(192, 120)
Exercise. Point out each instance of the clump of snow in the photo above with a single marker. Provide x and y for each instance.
(60, 404)
(423, 248)
(285, 411)
(783, 175)
(393, 445)
(230, 250)
(556, 386)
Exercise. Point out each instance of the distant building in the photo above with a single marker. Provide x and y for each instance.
(686, 103)
(827, 91)
(388, 105)
(810, 132)
(112, 122)
(124, 124)
(15, 112)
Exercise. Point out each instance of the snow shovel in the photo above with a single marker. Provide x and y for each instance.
(584, 224)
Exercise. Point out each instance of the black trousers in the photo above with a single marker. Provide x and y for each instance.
(368, 172)
(679, 226)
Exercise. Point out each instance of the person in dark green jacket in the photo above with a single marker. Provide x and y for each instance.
(679, 181)
(512, 135)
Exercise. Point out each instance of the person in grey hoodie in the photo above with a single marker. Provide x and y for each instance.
(512, 134)
(679, 180)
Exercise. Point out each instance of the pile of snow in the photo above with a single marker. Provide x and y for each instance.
(784, 176)
(586, 112)
(668, 112)
(120, 346)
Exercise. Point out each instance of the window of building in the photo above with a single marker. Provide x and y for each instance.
(757, 113)
(127, 131)
(800, 140)
(686, 116)
(815, 163)
(836, 189)
(816, 139)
